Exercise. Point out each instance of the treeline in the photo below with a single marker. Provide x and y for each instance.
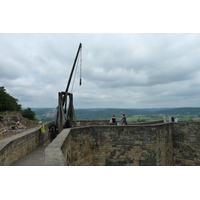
(106, 113)
(9, 103)
(181, 111)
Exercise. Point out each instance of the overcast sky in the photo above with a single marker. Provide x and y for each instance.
(118, 70)
(132, 69)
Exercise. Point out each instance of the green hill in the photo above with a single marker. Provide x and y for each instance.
(47, 114)
(181, 111)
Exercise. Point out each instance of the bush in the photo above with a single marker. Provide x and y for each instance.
(28, 113)
(8, 102)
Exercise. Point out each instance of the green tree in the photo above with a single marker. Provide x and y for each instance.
(8, 102)
(28, 113)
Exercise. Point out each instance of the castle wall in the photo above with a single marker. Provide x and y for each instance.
(143, 144)
(6, 135)
(81, 123)
(15, 147)
(186, 144)
(119, 146)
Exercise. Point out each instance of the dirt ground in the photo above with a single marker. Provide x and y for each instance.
(11, 127)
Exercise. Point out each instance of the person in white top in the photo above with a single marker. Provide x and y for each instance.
(165, 118)
(176, 119)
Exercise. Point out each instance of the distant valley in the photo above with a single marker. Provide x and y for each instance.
(133, 115)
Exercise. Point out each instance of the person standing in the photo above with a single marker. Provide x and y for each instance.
(176, 119)
(52, 131)
(67, 124)
(123, 120)
(166, 119)
(114, 120)
(42, 132)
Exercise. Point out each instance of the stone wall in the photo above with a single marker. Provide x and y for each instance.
(81, 123)
(17, 146)
(53, 153)
(186, 143)
(143, 144)
(119, 146)
(165, 144)
(6, 135)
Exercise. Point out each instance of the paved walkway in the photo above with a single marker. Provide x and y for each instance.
(35, 158)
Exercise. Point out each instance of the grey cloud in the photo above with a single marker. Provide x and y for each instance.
(133, 70)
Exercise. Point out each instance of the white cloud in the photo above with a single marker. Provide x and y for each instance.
(118, 70)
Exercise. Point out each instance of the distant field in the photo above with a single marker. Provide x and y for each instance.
(133, 115)
(146, 118)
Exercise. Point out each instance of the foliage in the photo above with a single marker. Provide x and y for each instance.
(28, 113)
(8, 102)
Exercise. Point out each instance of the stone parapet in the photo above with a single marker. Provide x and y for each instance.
(149, 145)
(186, 144)
(19, 145)
(143, 144)
(6, 135)
(81, 123)
(164, 144)
(53, 152)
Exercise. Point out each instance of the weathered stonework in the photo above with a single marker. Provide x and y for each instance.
(6, 135)
(81, 123)
(15, 147)
(186, 143)
(143, 144)
(163, 144)
(119, 145)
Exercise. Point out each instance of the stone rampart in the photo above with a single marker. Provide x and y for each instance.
(19, 145)
(165, 144)
(81, 123)
(142, 144)
(6, 135)
(186, 143)
(113, 146)
(53, 153)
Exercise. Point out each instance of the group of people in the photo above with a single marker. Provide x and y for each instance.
(170, 119)
(52, 130)
(114, 122)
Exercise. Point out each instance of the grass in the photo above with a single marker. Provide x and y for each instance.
(146, 118)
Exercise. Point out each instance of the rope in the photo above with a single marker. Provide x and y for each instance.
(79, 58)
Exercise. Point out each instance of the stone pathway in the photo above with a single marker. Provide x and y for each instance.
(35, 158)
